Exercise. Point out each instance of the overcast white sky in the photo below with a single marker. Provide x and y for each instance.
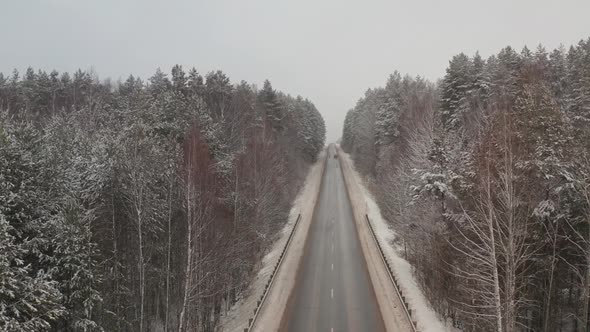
(329, 51)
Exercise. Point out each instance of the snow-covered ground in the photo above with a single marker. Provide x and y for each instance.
(426, 317)
(236, 319)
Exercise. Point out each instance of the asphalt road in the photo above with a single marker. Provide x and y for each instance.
(333, 290)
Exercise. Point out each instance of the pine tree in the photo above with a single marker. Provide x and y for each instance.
(179, 80)
(579, 83)
(28, 301)
(389, 110)
(455, 87)
(272, 108)
(159, 83)
(558, 75)
(29, 298)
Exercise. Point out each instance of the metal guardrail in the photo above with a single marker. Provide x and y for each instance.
(268, 284)
(259, 303)
(392, 277)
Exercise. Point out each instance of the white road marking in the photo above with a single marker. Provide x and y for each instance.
(331, 329)
(332, 293)
(332, 266)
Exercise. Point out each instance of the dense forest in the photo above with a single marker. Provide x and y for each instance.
(485, 177)
(141, 205)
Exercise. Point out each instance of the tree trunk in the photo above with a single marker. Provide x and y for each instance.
(497, 298)
(141, 275)
(168, 257)
(546, 320)
(115, 264)
(586, 288)
(189, 256)
(585, 293)
(493, 256)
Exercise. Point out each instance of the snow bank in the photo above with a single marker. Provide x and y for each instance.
(236, 318)
(426, 317)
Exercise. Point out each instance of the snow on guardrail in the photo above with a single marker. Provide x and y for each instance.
(268, 284)
(398, 289)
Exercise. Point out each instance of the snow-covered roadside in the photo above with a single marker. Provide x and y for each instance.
(236, 319)
(426, 317)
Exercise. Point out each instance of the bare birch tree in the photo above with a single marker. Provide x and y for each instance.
(493, 240)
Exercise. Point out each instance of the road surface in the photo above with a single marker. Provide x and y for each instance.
(333, 291)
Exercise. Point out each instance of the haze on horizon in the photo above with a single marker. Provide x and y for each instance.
(328, 51)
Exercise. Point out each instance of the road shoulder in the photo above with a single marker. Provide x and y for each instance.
(394, 317)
